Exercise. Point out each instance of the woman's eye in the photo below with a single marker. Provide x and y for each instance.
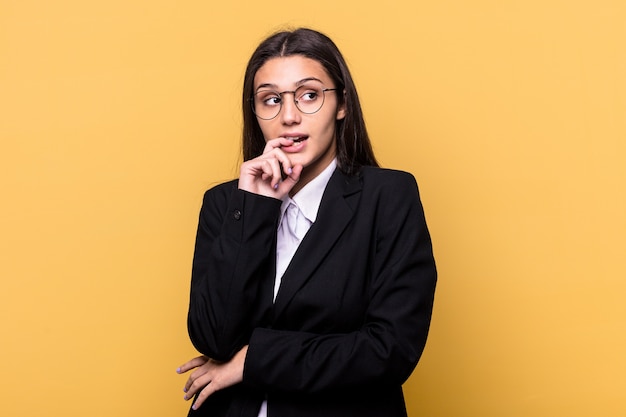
(309, 96)
(271, 100)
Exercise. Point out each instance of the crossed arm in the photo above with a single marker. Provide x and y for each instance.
(209, 376)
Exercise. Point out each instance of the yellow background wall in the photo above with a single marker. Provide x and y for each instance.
(116, 115)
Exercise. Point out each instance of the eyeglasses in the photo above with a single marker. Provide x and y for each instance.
(266, 104)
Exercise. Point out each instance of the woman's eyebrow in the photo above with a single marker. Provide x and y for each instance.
(304, 80)
(266, 85)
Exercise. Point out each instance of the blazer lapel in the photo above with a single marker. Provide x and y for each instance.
(337, 208)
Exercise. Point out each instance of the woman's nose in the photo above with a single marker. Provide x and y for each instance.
(289, 112)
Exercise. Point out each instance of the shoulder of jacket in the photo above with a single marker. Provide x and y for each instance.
(221, 191)
(383, 175)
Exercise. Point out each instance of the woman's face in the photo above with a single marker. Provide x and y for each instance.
(314, 134)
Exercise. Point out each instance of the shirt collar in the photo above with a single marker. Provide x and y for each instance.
(309, 198)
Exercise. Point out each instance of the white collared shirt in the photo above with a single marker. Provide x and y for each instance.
(308, 200)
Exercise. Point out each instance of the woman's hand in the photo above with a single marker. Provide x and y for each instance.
(264, 174)
(211, 376)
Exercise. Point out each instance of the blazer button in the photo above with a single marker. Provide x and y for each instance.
(236, 214)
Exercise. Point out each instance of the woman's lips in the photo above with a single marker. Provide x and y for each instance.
(297, 145)
(296, 138)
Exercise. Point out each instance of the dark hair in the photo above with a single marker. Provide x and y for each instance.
(354, 148)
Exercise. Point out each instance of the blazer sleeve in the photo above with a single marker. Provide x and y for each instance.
(387, 347)
(234, 247)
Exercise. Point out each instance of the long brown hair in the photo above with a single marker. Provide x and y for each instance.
(354, 148)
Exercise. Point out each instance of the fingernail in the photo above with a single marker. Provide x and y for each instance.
(276, 186)
(194, 407)
(184, 389)
(185, 398)
(289, 170)
(177, 370)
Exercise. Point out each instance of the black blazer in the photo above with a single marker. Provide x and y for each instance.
(352, 314)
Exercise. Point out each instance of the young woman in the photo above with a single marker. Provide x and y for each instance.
(313, 275)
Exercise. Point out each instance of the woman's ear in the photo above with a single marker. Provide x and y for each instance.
(341, 110)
